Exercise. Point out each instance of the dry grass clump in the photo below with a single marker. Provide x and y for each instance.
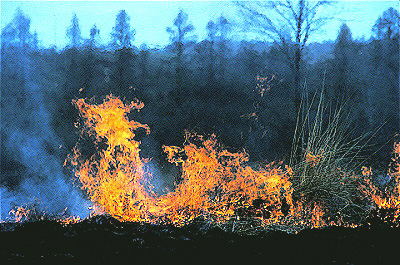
(325, 156)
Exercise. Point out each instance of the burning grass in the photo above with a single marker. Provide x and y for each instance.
(222, 207)
(33, 212)
(217, 186)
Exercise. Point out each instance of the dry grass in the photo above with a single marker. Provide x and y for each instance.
(325, 157)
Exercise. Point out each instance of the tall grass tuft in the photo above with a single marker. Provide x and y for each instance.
(326, 153)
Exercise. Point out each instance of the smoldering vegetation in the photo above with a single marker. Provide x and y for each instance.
(246, 92)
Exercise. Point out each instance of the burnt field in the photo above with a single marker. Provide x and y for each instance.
(105, 240)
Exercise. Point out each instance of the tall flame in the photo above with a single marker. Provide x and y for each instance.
(114, 178)
(216, 184)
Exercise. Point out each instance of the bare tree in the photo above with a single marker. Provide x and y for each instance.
(387, 25)
(288, 23)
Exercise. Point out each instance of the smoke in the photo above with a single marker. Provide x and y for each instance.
(30, 140)
(163, 174)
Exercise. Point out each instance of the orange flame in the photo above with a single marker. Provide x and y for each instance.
(216, 184)
(390, 198)
(20, 213)
(312, 159)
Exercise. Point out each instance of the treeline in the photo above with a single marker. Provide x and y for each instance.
(241, 91)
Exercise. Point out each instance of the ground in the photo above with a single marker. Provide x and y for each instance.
(104, 240)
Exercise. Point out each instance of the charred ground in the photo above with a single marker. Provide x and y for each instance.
(105, 240)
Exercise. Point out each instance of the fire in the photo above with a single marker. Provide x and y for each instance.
(20, 213)
(70, 220)
(27, 212)
(216, 185)
(114, 178)
(390, 198)
(312, 159)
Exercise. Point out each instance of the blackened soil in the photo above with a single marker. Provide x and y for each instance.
(104, 240)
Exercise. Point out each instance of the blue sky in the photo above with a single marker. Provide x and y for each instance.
(150, 18)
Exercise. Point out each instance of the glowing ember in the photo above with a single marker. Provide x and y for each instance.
(312, 159)
(70, 220)
(20, 214)
(27, 212)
